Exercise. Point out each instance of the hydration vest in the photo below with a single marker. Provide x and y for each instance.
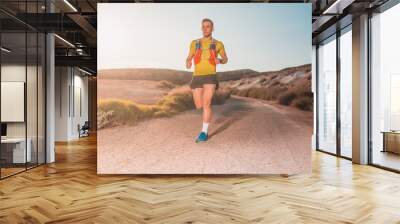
(213, 52)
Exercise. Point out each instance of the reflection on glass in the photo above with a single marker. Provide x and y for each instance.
(14, 153)
(346, 94)
(22, 91)
(395, 102)
(31, 100)
(385, 93)
(327, 96)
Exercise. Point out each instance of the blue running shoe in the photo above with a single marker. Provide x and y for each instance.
(202, 137)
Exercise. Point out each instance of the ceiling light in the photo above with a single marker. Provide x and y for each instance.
(70, 5)
(338, 6)
(5, 50)
(84, 71)
(65, 41)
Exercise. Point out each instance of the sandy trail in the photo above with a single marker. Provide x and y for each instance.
(247, 136)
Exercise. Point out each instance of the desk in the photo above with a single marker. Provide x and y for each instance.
(391, 141)
(13, 150)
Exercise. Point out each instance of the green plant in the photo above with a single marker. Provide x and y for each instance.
(286, 98)
(304, 103)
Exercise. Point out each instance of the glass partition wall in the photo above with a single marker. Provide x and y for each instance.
(334, 93)
(327, 95)
(385, 89)
(13, 89)
(345, 61)
(22, 77)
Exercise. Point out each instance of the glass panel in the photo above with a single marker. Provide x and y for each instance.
(385, 89)
(22, 88)
(31, 99)
(327, 96)
(346, 94)
(13, 86)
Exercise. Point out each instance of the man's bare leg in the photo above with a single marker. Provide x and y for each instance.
(208, 93)
(198, 97)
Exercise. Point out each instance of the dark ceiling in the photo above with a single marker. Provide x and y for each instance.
(75, 21)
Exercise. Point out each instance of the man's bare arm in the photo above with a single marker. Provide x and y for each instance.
(189, 61)
(224, 58)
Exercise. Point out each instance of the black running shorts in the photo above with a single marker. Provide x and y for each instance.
(199, 80)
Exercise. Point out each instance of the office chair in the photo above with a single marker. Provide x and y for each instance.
(84, 130)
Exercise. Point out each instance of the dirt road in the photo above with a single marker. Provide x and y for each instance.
(247, 136)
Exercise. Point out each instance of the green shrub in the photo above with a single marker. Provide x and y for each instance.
(272, 92)
(304, 103)
(286, 98)
(221, 96)
(257, 93)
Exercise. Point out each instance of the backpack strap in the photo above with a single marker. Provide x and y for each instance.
(213, 52)
(198, 44)
(198, 51)
(213, 45)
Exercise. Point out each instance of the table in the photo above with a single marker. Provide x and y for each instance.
(391, 141)
(13, 150)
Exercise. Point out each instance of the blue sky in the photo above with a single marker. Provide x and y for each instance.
(257, 36)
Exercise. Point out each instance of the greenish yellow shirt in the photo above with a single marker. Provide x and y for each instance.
(204, 67)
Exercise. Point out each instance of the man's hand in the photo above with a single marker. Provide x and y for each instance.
(188, 64)
(217, 61)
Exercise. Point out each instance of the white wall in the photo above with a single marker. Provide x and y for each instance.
(12, 73)
(79, 117)
(70, 83)
(33, 126)
(62, 81)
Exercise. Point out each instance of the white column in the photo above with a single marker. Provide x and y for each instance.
(50, 92)
(50, 98)
(62, 103)
(360, 90)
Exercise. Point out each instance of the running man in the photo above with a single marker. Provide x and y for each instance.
(204, 52)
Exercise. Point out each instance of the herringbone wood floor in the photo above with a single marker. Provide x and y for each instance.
(69, 191)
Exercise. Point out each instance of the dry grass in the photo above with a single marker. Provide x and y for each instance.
(166, 85)
(113, 112)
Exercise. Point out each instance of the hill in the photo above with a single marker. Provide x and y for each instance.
(289, 86)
